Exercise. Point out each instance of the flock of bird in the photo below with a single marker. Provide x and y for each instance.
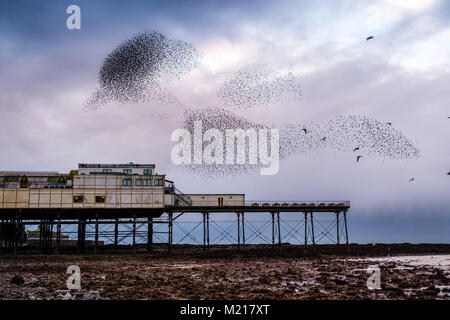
(246, 89)
(137, 69)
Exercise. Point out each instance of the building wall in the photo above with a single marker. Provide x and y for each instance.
(213, 199)
(135, 168)
(116, 195)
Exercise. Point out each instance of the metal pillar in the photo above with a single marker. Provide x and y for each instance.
(273, 229)
(204, 230)
(279, 229)
(81, 235)
(238, 230)
(207, 228)
(96, 235)
(58, 235)
(134, 233)
(243, 229)
(346, 231)
(306, 229)
(312, 229)
(16, 234)
(150, 234)
(116, 233)
(337, 228)
(170, 231)
(1, 233)
(45, 235)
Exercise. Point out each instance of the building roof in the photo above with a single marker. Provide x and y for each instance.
(116, 165)
(30, 173)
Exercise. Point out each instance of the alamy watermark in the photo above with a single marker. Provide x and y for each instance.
(374, 280)
(74, 280)
(73, 22)
(235, 146)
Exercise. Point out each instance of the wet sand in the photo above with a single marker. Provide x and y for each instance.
(249, 274)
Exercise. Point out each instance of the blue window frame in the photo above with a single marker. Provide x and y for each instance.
(127, 171)
(126, 182)
(138, 182)
(147, 182)
(147, 172)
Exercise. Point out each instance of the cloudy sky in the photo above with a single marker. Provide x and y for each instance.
(47, 72)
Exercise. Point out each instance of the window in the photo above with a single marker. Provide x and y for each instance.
(24, 182)
(78, 199)
(220, 202)
(107, 170)
(100, 199)
(126, 182)
(147, 172)
(147, 182)
(138, 182)
(126, 171)
(158, 182)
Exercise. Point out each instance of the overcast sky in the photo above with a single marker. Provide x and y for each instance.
(401, 76)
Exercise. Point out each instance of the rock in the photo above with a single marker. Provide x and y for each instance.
(17, 280)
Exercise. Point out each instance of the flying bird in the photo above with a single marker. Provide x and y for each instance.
(411, 180)
(357, 158)
(369, 38)
(448, 173)
(323, 139)
(357, 148)
(304, 129)
(389, 123)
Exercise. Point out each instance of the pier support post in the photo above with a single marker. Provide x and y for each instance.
(116, 233)
(204, 230)
(337, 229)
(16, 234)
(170, 231)
(279, 229)
(306, 229)
(45, 235)
(312, 229)
(207, 229)
(96, 234)
(150, 234)
(134, 233)
(346, 231)
(1, 234)
(81, 235)
(238, 230)
(243, 230)
(273, 229)
(58, 235)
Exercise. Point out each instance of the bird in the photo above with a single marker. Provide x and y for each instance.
(357, 148)
(323, 139)
(357, 158)
(389, 123)
(411, 180)
(369, 38)
(304, 129)
(448, 173)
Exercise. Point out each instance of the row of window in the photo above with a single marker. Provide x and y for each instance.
(142, 182)
(147, 172)
(98, 199)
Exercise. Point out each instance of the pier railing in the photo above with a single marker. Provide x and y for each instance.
(298, 203)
